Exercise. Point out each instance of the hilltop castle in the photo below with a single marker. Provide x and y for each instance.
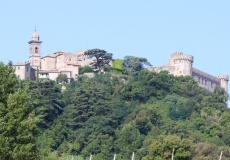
(68, 63)
(181, 65)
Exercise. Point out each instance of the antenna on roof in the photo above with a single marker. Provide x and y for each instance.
(35, 29)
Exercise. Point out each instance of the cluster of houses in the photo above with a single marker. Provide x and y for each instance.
(60, 62)
(51, 65)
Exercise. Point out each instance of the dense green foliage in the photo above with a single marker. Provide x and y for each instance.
(85, 69)
(17, 119)
(47, 101)
(133, 65)
(150, 114)
(101, 58)
(62, 78)
(117, 67)
(147, 113)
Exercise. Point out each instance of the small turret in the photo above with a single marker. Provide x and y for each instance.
(224, 81)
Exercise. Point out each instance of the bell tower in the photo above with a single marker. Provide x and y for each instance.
(35, 50)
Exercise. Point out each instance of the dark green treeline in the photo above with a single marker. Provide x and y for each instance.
(147, 113)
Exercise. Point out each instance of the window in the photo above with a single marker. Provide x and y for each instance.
(18, 76)
(36, 49)
(18, 67)
(26, 69)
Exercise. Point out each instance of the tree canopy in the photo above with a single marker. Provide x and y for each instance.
(150, 114)
(132, 65)
(145, 112)
(18, 121)
(62, 78)
(101, 58)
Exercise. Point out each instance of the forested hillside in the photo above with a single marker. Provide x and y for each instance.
(147, 113)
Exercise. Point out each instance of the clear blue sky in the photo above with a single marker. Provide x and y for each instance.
(144, 28)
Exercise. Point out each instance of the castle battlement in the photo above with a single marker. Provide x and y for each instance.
(224, 77)
(181, 65)
(181, 56)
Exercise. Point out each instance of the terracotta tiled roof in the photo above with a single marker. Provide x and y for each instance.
(73, 63)
(54, 54)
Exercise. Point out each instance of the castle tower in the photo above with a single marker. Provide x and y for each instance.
(224, 81)
(182, 64)
(35, 50)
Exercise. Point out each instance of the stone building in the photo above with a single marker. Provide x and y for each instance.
(84, 60)
(181, 65)
(48, 67)
(24, 71)
(51, 65)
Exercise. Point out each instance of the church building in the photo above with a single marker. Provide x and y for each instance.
(49, 66)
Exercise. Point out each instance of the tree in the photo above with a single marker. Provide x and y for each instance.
(150, 114)
(178, 107)
(8, 81)
(163, 147)
(206, 151)
(148, 84)
(62, 78)
(47, 101)
(128, 140)
(85, 69)
(102, 58)
(133, 65)
(17, 132)
(86, 102)
(18, 122)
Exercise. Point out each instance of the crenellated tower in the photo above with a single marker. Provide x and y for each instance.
(224, 81)
(182, 64)
(35, 50)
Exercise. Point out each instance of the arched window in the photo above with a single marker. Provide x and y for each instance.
(36, 49)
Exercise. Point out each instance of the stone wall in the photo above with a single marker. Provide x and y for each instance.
(48, 63)
(205, 80)
(83, 60)
(181, 65)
